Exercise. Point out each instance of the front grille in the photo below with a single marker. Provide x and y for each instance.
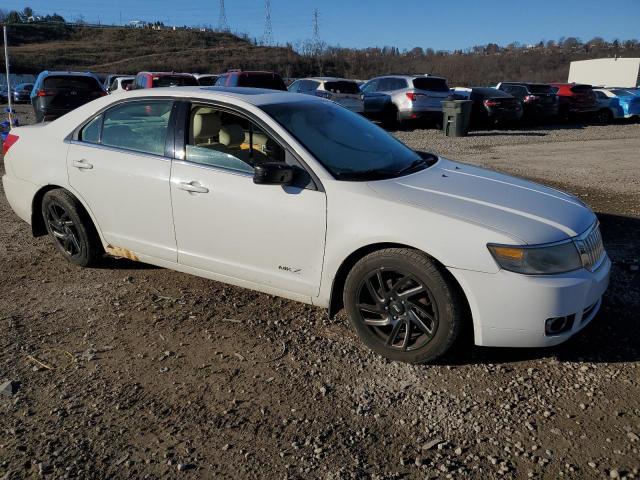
(591, 248)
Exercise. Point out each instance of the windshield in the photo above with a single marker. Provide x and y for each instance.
(346, 144)
(342, 86)
(434, 84)
(541, 88)
(68, 82)
(174, 81)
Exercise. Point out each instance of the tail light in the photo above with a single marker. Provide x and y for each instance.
(45, 93)
(531, 98)
(8, 142)
(413, 96)
(490, 103)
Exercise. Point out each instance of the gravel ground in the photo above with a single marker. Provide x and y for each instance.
(131, 371)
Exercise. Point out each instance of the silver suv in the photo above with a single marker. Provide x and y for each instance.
(394, 99)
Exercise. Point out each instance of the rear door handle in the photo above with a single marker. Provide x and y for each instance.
(82, 164)
(193, 187)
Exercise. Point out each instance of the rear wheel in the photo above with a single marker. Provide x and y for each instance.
(402, 306)
(71, 229)
(604, 116)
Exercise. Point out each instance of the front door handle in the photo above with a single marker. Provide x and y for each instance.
(82, 164)
(193, 187)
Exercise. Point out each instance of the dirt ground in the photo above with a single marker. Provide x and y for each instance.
(132, 371)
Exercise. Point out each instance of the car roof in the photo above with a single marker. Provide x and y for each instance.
(407, 76)
(67, 73)
(254, 96)
(328, 79)
(166, 74)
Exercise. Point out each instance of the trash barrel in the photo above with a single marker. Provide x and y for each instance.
(455, 117)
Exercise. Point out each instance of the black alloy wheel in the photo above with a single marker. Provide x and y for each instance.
(404, 305)
(398, 309)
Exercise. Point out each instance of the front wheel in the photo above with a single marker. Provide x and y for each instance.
(402, 306)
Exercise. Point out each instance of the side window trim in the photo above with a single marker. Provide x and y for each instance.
(182, 132)
(74, 137)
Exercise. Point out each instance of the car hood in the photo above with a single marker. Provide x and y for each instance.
(528, 212)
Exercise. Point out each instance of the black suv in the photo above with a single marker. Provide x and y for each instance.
(57, 93)
(538, 99)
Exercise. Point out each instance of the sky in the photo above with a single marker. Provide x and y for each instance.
(437, 24)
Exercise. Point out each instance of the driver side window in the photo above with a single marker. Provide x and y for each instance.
(227, 140)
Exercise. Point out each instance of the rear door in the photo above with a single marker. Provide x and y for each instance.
(67, 92)
(119, 165)
(375, 99)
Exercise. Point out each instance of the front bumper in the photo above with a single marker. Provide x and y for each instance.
(510, 310)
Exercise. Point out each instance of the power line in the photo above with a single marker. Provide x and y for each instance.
(223, 26)
(267, 39)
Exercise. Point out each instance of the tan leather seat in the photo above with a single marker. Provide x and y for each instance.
(205, 127)
(232, 136)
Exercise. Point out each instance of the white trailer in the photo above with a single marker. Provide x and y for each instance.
(606, 72)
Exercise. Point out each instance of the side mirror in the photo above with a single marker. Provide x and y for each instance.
(272, 173)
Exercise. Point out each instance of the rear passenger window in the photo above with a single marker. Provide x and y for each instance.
(137, 126)
(225, 140)
(91, 131)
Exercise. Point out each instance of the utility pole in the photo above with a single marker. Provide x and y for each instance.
(267, 39)
(6, 63)
(223, 26)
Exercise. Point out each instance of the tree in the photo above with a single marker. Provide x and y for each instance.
(13, 17)
(27, 12)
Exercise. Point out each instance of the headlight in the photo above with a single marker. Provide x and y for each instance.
(537, 260)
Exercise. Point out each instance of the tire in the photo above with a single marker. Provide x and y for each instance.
(391, 117)
(604, 116)
(71, 228)
(438, 307)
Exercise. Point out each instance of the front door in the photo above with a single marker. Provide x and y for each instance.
(266, 235)
(118, 167)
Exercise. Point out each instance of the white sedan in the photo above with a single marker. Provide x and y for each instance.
(296, 196)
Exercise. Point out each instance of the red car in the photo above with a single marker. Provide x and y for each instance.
(163, 79)
(575, 99)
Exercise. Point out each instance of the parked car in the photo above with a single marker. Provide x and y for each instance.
(22, 92)
(206, 79)
(575, 99)
(121, 84)
(616, 103)
(340, 90)
(108, 81)
(254, 79)
(296, 196)
(57, 93)
(394, 99)
(4, 95)
(163, 79)
(491, 106)
(539, 100)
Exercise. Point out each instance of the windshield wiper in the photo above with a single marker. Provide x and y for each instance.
(416, 165)
(372, 174)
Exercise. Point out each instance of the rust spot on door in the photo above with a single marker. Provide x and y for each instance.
(122, 253)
